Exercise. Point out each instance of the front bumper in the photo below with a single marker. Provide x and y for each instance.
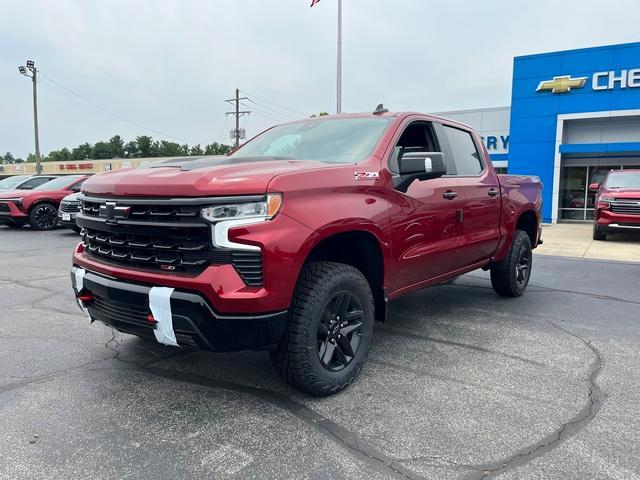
(62, 219)
(10, 212)
(617, 222)
(125, 306)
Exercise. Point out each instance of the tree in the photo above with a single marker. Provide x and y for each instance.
(62, 155)
(101, 151)
(130, 149)
(82, 152)
(169, 149)
(7, 158)
(144, 144)
(216, 148)
(196, 150)
(116, 144)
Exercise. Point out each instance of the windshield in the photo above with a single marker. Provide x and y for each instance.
(13, 182)
(58, 183)
(624, 180)
(335, 140)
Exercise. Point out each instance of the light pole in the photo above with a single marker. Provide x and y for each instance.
(31, 67)
(339, 62)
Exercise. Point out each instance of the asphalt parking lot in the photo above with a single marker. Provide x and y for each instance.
(459, 384)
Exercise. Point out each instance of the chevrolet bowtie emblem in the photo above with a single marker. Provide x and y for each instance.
(112, 212)
(561, 84)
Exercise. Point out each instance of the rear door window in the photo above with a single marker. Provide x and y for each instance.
(465, 155)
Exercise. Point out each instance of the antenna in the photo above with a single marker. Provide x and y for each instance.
(380, 109)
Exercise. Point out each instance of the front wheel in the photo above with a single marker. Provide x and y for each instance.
(44, 216)
(511, 277)
(329, 329)
(598, 234)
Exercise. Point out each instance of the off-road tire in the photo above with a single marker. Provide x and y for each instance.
(38, 222)
(297, 359)
(505, 277)
(598, 234)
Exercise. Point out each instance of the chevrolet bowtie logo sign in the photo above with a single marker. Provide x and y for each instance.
(561, 84)
(112, 212)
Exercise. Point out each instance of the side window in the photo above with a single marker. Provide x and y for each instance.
(76, 186)
(417, 137)
(34, 182)
(465, 154)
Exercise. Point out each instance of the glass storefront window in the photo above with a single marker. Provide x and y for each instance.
(576, 201)
(574, 183)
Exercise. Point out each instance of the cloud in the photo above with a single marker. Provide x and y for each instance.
(168, 65)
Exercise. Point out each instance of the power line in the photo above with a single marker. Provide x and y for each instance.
(268, 114)
(120, 117)
(274, 103)
(287, 117)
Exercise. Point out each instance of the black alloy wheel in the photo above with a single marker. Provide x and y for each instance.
(339, 331)
(522, 267)
(329, 329)
(43, 216)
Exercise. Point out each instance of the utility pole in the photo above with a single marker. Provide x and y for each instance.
(339, 62)
(237, 134)
(31, 67)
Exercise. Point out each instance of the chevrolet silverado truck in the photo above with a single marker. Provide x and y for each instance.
(617, 204)
(37, 207)
(296, 241)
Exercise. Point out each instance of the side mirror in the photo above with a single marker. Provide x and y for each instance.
(594, 187)
(419, 166)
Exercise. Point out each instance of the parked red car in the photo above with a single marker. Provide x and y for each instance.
(297, 240)
(37, 207)
(617, 203)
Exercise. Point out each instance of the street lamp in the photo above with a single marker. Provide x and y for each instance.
(32, 72)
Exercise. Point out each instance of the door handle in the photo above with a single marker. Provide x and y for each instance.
(450, 195)
(493, 192)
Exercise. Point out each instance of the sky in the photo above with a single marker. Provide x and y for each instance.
(164, 67)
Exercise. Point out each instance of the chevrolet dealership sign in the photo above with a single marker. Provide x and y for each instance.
(599, 81)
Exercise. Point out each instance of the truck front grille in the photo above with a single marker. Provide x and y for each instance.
(168, 237)
(628, 207)
(70, 207)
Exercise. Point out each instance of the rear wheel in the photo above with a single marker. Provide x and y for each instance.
(43, 216)
(329, 329)
(511, 277)
(598, 234)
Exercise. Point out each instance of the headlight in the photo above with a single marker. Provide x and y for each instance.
(263, 210)
(17, 201)
(606, 198)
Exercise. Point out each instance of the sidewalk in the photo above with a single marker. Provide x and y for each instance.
(574, 240)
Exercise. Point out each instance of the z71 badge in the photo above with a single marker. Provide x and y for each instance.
(365, 175)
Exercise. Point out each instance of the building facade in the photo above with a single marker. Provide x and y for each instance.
(574, 116)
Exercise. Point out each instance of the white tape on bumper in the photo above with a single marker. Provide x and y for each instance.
(79, 281)
(160, 305)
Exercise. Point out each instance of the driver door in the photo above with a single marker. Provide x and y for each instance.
(424, 221)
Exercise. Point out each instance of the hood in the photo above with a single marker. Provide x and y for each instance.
(622, 192)
(197, 177)
(14, 193)
(72, 198)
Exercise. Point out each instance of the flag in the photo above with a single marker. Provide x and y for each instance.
(313, 2)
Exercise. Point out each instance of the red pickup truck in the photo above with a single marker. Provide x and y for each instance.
(617, 204)
(296, 241)
(37, 207)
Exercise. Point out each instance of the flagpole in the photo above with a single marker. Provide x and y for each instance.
(339, 62)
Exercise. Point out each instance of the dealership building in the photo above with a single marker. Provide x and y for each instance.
(574, 115)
